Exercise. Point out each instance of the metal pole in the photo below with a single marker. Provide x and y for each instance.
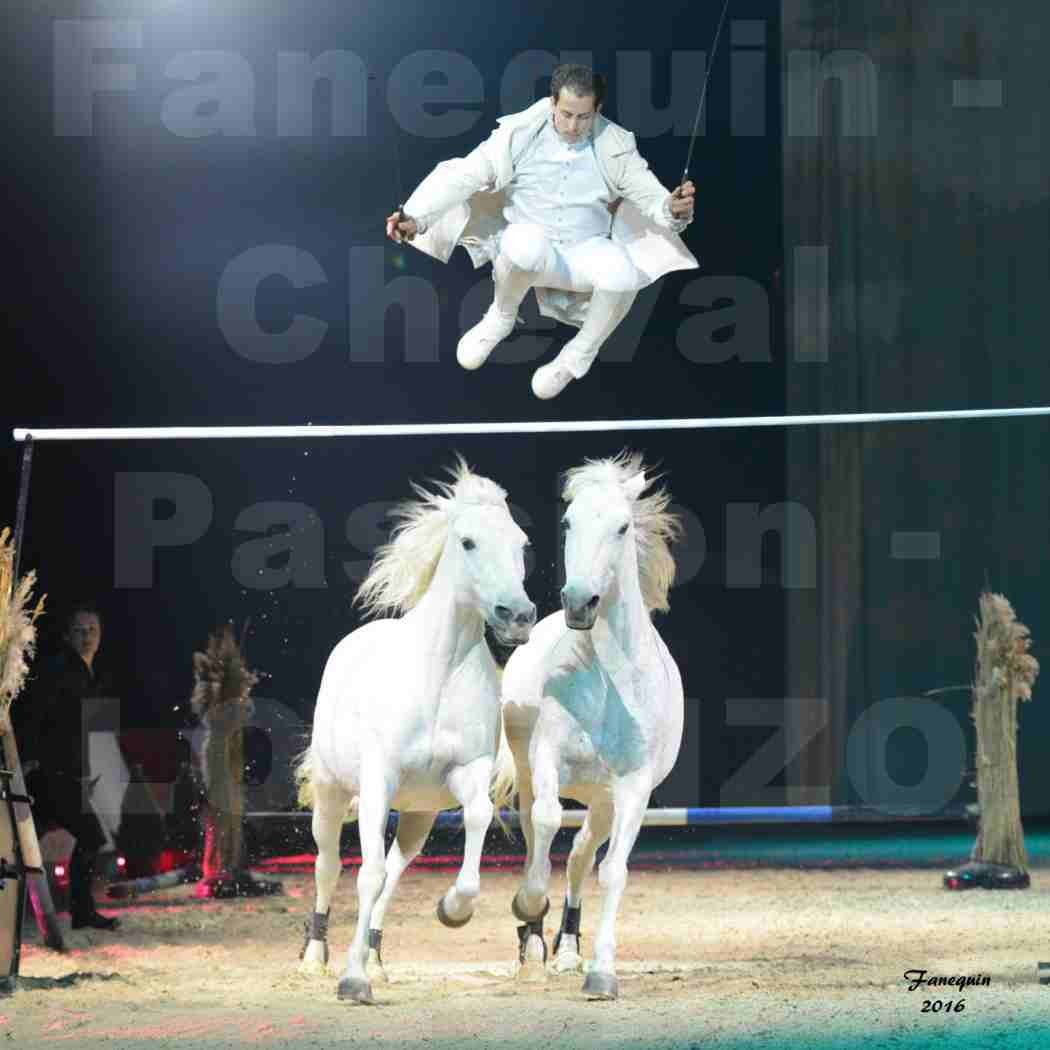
(23, 503)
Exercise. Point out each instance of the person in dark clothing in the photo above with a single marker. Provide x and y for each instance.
(51, 735)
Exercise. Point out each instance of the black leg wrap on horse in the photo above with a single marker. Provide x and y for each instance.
(316, 929)
(375, 941)
(525, 931)
(570, 924)
(319, 926)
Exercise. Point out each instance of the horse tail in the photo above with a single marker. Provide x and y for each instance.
(303, 772)
(303, 768)
(504, 779)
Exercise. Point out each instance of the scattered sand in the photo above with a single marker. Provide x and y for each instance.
(708, 959)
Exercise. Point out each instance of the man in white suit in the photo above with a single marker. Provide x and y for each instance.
(558, 199)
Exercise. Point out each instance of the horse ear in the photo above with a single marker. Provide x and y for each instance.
(635, 486)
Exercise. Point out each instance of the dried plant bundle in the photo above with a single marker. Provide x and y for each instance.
(221, 696)
(1003, 659)
(18, 618)
(222, 680)
(1006, 673)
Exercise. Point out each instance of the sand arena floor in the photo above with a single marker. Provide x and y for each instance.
(719, 959)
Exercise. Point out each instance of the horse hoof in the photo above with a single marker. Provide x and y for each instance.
(375, 967)
(522, 917)
(601, 986)
(355, 989)
(531, 972)
(313, 959)
(446, 920)
(568, 962)
(313, 968)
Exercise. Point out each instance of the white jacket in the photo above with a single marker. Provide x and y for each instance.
(462, 200)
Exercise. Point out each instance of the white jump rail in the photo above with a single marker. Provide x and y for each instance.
(581, 426)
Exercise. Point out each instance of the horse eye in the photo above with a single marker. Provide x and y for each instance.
(623, 529)
(469, 544)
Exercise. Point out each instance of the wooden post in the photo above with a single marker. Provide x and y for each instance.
(23, 814)
(39, 890)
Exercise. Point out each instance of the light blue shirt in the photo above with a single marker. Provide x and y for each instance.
(558, 186)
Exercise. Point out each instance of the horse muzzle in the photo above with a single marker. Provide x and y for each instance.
(581, 608)
(512, 626)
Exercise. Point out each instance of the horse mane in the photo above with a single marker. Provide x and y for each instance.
(404, 567)
(655, 527)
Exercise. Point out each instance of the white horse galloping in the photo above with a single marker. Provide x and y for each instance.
(593, 706)
(408, 713)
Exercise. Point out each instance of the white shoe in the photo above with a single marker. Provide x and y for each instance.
(476, 345)
(550, 380)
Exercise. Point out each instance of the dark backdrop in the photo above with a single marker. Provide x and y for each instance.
(145, 236)
(200, 242)
(917, 221)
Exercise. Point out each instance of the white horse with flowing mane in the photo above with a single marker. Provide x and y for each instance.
(408, 713)
(593, 706)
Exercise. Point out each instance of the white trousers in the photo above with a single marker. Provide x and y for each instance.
(528, 258)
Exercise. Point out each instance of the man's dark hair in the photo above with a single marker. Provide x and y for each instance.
(80, 607)
(580, 80)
